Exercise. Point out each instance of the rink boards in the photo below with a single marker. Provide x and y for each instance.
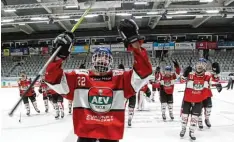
(147, 125)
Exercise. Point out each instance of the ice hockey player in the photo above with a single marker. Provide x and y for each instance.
(131, 101)
(143, 96)
(167, 87)
(99, 93)
(197, 86)
(82, 66)
(43, 89)
(69, 106)
(207, 103)
(57, 102)
(23, 84)
(156, 83)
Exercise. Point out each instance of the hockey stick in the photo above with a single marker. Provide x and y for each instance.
(161, 57)
(47, 63)
(20, 117)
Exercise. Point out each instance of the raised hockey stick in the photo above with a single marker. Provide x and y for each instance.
(47, 63)
(161, 57)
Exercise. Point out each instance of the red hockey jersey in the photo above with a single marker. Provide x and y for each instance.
(197, 87)
(214, 79)
(23, 86)
(99, 101)
(144, 88)
(156, 83)
(44, 88)
(169, 81)
(51, 91)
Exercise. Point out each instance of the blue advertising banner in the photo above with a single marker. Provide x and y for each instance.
(16, 51)
(167, 46)
(80, 49)
(25, 51)
(227, 44)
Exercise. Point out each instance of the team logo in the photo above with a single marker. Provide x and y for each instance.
(100, 99)
(198, 85)
(167, 83)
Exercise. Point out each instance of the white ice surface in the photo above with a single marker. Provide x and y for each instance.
(147, 125)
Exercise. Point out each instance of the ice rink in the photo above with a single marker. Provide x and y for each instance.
(147, 125)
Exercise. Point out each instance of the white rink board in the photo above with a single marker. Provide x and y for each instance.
(147, 125)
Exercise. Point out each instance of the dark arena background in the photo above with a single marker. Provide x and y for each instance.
(181, 30)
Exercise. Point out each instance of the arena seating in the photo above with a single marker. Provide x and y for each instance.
(6, 65)
(32, 64)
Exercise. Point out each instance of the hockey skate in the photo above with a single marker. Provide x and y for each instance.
(35, 107)
(182, 132)
(46, 106)
(200, 124)
(37, 110)
(164, 117)
(129, 122)
(46, 110)
(28, 113)
(69, 111)
(207, 121)
(171, 115)
(62, 114)
(130, 116)
(57, 114)
(191, 135)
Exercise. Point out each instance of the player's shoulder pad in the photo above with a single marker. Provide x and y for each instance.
(208, 73)
(81, 71)
(117, 72)
(191, 75)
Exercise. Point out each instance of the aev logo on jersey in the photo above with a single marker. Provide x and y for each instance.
(100, 99)
(198, 85)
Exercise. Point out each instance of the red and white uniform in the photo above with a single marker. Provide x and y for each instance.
(197, 88)
(51, 91)
(99, 101)
(156, 83)
(44, 87)
(142, 97)
(214, 79)
(168, 81)
(23, 86)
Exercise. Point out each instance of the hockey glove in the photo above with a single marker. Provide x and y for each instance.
(216, 68)
(65, 40)
(128, 30)
(40, 90)
(219, 87)
(187, 71)
(176, 64)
